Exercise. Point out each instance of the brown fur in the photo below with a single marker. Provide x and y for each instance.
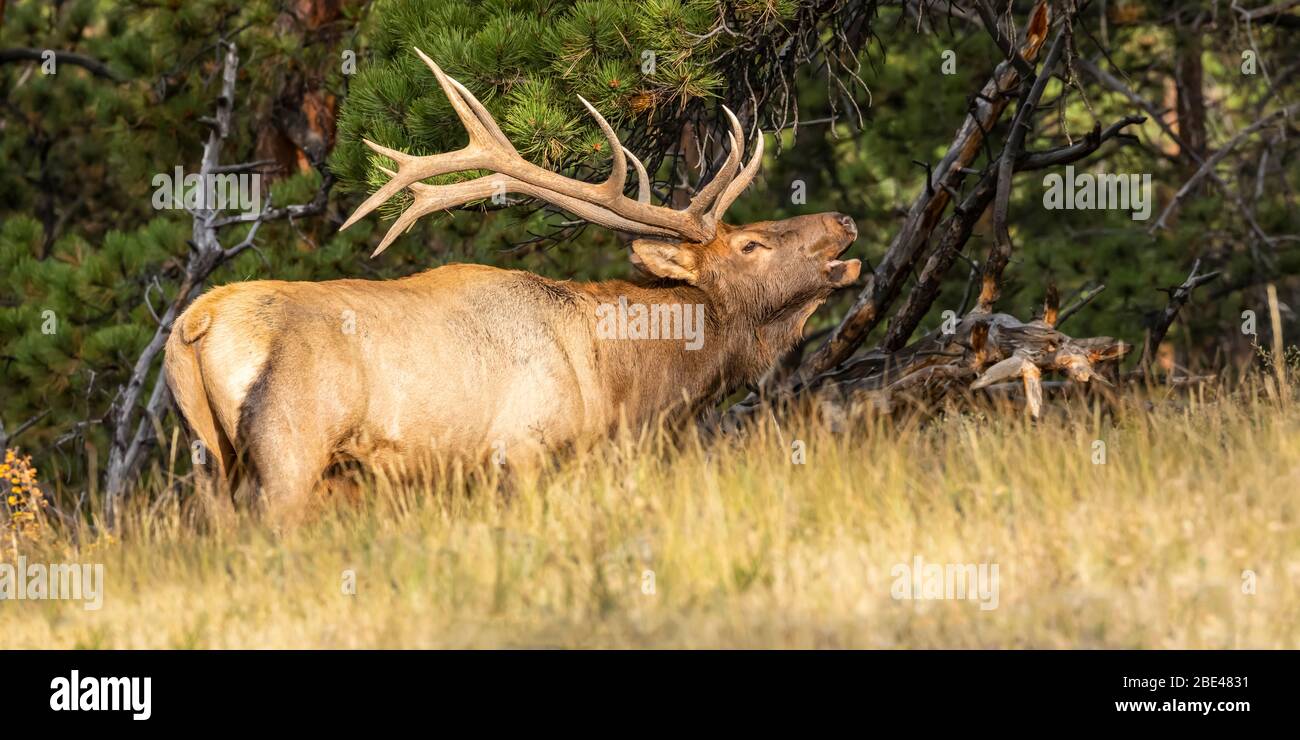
(464, 360)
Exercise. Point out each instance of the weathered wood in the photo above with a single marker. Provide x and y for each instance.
(984, 352)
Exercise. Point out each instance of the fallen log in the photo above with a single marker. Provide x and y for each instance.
(984, 351)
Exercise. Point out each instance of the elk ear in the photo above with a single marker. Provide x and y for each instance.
(665, 259)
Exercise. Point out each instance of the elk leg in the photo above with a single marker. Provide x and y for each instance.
(286, 488)
(288, 462)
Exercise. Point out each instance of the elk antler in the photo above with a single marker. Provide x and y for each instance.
(600, 203)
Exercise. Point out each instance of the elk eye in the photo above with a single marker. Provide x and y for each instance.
(750, 247)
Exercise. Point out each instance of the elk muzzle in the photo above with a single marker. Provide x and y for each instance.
(841, 273)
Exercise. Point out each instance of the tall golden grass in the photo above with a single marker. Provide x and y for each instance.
(1188, 536)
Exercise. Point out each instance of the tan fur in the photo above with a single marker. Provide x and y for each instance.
(468, 360)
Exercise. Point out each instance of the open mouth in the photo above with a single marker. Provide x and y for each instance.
(843, 272)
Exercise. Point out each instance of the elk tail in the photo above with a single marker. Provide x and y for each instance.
(185, 378)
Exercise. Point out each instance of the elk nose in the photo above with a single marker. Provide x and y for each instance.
(846, 223)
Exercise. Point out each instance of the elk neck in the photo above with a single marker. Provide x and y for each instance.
(738, 346)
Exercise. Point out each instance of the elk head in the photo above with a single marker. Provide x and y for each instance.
(763, 270)
(766, 270)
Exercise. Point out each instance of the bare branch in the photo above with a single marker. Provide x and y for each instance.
(90, 64)
(1275, 14)
(6, 438)
(1000, 254)
(1084, 299)
(1005, 44)
(1178, 297)
(243, 166)
(248, 241)
(1116, 85)
(954, 234)
(1080, 149)
(1208, 165)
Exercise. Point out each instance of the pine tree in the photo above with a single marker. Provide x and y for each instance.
(657, 70)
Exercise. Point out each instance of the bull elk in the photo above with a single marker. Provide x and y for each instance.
(464, 359)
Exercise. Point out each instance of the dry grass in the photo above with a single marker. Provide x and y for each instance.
(748, 549)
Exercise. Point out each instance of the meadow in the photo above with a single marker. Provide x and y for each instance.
(1181, 529)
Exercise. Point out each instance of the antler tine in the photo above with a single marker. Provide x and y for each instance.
(642, 179)
(618, 173)
(618, 170)
(464, 111)
(412, 169)
(481, 112)
(738, 185)
(399, 180)
(705, 198)
(430, 198)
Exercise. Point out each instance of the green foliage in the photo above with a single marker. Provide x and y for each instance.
(81, 319)
(528, 62)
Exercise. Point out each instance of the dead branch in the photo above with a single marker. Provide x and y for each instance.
(6, 437)
(1208, 165)
(1275, 14)
(985, 350)
(1267, 10)
(1000, 254)
(1007, 46)
(1084, 299)
(1079, 149)
(887, 279)
(1117, 85)
(1178, 297)
(132, 432)
(953, 236)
